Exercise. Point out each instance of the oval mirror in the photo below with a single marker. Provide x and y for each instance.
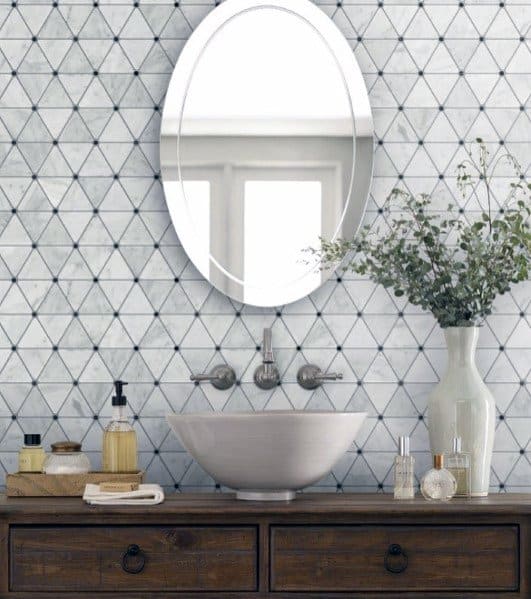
(266, 147)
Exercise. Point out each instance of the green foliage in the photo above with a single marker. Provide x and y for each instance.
(441, 262)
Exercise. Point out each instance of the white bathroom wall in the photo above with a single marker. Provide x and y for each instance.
(94, 285)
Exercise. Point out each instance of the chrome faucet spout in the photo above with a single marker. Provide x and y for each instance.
(267, 347)
(267, 376)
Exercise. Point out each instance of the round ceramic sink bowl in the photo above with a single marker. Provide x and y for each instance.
(267, 455)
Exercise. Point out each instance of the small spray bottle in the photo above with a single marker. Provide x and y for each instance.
(404, 471)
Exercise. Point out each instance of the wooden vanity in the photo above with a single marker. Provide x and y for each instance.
(321, 545)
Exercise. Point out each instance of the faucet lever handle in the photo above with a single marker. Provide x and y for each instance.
(199, 378)
(310, 376)
(222, 377)
(329, 376)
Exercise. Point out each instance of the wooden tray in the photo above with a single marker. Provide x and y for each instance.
(29, 484)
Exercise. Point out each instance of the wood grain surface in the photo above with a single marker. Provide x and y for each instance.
(305, 503)
(32, 484)
(90, 558)
(352, 558)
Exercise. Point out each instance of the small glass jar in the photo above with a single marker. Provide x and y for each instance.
(31, 457)
(66, 458)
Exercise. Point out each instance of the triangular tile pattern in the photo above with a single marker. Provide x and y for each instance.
(94, 284)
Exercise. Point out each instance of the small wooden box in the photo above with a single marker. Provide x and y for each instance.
(29, 484)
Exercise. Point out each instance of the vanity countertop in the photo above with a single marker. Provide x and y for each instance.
(306, 503)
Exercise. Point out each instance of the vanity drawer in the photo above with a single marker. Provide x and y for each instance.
(394, 558)
(160, 558)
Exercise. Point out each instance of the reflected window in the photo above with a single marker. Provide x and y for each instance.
(197, 194)
(280, 210)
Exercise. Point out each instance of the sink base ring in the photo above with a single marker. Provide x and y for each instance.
(265, 495)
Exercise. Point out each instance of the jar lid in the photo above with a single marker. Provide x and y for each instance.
(66, 447)
(32, 439)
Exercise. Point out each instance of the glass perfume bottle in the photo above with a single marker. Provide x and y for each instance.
(438, 484)
(119, 438)
(458, 463)
(404, 471)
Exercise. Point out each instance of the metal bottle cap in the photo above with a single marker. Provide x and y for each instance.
(457, 445)
(438, 461)
(403, 446)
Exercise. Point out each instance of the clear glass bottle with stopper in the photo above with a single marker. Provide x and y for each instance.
(404, 471)
(458, 463)
(119, 437)
(438, 484)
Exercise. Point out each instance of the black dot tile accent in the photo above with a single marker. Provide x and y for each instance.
(81, 188)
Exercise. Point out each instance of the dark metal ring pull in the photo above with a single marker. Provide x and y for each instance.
(139, 558)
(392, 563)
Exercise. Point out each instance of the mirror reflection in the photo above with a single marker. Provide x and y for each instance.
(258, 163)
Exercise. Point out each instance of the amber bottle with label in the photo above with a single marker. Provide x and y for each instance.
(31, 457)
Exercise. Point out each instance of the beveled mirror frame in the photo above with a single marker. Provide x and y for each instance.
(360, 109)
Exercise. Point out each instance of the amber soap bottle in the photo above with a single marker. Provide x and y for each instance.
(119, 437)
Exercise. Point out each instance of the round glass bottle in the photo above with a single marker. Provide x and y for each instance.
(438, 484)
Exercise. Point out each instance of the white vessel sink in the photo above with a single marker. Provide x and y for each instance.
(267, 455)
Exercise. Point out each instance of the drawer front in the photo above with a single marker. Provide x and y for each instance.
(394, 558)
(101, 558)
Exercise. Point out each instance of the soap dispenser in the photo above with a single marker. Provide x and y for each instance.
(119, 437)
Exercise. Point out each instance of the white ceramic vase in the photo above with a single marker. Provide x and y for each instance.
(461, 405)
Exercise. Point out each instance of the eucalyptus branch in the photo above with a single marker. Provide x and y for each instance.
(459, 281)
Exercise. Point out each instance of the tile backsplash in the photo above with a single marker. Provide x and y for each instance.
(94, 285)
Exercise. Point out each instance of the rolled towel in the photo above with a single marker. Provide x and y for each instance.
(146, 495)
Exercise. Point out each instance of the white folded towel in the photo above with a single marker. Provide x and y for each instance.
(145, 495)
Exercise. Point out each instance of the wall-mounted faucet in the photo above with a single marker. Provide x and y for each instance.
(310, 376)
(222, 377)
(267, 376)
